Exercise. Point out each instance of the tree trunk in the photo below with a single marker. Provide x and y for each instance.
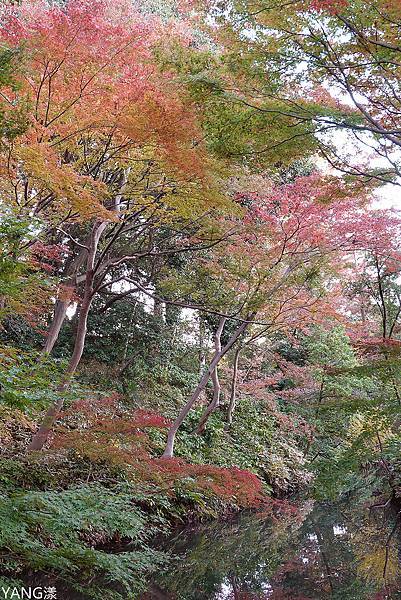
(60, 312)
(61, 306)
(71, 272)
(212, 405)
(233, 395)
(202, 353)
(89, 293)
(169, 450)
(215, 379)
(80, 336)
(40, 438)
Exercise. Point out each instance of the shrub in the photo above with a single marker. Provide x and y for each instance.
(67, 532)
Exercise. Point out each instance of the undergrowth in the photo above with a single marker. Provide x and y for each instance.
(86, 508)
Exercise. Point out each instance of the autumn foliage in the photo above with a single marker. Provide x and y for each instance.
(89, 85)
(191, 215)
(330, 6)
(119, 438)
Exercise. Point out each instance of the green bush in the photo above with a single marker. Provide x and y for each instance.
(68, 533)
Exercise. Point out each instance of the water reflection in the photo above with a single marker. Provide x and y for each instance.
(326, 551)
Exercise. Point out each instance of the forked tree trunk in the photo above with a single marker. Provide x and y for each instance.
(233, 395)
(71, 273)
(90, 250)
(41, 436)
(61, 306)
(215, 379)
(89, 293)
(169, 450)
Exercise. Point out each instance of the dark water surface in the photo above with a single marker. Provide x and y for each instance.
(325, 551)
(334, 551)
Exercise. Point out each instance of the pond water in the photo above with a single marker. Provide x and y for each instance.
(324, 551)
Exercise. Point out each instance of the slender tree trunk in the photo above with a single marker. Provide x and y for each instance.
(233, 395)
(90, 250)
(60, 312)
(71, 273)
(215, 379)
(80, 336)
(169, 450)
(61, 306)
(40, 438)
(202, 355)
(211, 407)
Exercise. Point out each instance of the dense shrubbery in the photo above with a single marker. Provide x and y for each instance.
(254, 442)
(92, 501)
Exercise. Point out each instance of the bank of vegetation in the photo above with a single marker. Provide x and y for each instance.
(199, 290)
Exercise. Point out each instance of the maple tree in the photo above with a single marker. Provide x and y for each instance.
(102, 117)
(101, 164)
(131, 449)
(268, 274)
